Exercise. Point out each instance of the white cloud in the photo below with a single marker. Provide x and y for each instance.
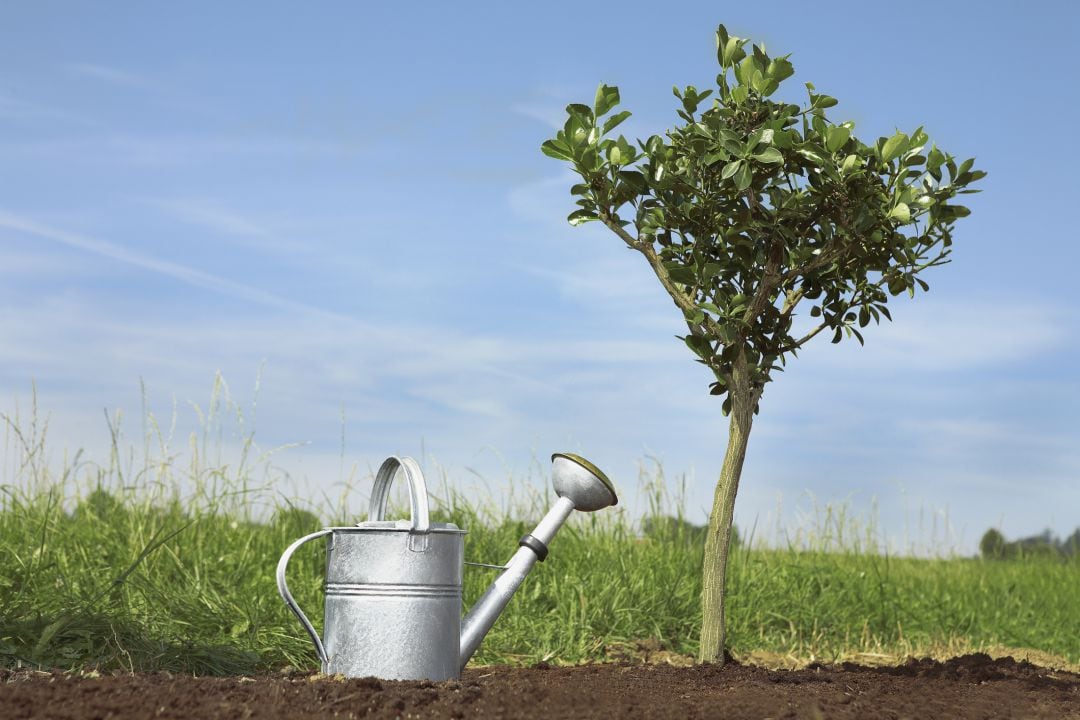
(950, 335)
(107, 74)
(213, 216)
(175, 150)
(546, 201)
(552, 115)
(190, 276)
(943, 335)
(19, 109)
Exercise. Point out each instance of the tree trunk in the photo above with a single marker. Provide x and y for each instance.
(718, 539)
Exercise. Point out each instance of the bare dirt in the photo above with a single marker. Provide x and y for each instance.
(972, 686)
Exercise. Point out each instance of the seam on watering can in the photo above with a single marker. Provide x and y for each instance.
(392, 590)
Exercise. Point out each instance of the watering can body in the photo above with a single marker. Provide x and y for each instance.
(392, 593)
(393, 588)
(393, 610)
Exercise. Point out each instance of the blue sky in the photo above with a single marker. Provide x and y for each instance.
(353, 200)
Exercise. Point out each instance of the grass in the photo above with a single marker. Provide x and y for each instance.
(142, 562)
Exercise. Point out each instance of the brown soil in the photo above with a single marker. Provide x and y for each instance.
(973, 686)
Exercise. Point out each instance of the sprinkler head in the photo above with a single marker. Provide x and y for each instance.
(578, 480)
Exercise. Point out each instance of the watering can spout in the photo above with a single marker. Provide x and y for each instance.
(580, 485)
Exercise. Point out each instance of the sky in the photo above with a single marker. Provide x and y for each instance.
(343, 211)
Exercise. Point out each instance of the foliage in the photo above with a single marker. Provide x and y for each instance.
(994, 546)
(753, 206)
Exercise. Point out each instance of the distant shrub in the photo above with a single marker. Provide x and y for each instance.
(994, 546)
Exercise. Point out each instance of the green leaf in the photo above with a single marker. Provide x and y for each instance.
(607, 97)
(769, 155)
(721, 38)
(901, 212)
(551, 149)
(612, 122)
(730, 169)
(780, 69)
(615, 155)
(849, 163)
(836, 137)
(634, 179)
(580, 217)
(730, 52)
(743, 177)
(582, 113)
(893, 147)
(714, 157)
(680, 274)
(699, 345)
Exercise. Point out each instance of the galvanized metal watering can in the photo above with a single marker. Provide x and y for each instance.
(393, 588)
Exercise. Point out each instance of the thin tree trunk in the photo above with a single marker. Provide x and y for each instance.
(718, 539)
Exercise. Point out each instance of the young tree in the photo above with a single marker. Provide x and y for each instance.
(750, 209)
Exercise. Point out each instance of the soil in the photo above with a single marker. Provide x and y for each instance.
(972, 686)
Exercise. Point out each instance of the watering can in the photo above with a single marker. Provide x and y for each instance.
(393, 588)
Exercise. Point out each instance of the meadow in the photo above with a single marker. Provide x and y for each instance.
(143, 561)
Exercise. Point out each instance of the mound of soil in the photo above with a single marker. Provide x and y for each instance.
(973, 686)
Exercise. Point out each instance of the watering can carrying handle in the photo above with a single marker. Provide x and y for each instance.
(418, 499)
(283, 588)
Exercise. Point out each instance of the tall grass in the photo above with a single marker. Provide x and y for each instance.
(146, 561)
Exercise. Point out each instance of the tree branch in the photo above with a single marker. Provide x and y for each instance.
(790, 301)
(770, 278)
(630, 240)
(799, 343)
(825, 259)
(851, 303)
(683, 301)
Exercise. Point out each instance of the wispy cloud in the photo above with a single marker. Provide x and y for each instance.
(172, 150)
(19, 109)
(108, 74)
(220, 220)
(213, 216)
(951, 335)
(552, 115)
(182, 273)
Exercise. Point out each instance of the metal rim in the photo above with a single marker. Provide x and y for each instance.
(591, 468)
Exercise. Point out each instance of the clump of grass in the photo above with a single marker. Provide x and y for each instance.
(144, 562)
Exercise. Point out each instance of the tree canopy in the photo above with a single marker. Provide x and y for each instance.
(753, 206)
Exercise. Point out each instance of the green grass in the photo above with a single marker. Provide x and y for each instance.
(150, 564)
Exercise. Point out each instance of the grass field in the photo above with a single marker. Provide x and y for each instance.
(152, 565)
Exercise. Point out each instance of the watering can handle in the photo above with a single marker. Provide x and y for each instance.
(283, 588)
(418, 499)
